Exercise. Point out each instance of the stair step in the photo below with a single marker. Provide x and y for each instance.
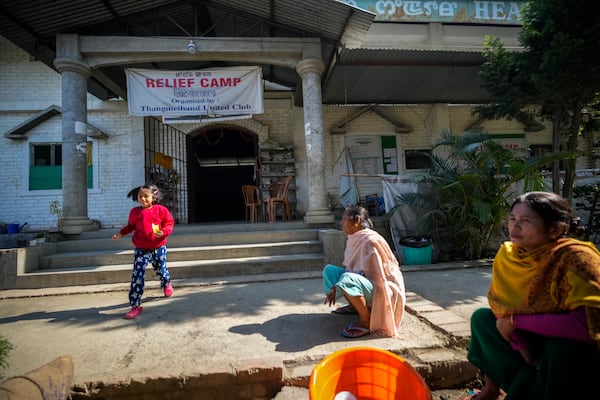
(192, 235)
(119, 273)
(189, 239)
(194, 251)
(104, 257)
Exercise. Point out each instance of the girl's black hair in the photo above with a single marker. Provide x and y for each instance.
(156, 195)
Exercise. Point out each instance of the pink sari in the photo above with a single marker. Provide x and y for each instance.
(368, 252)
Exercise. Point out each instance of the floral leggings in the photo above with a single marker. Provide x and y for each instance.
(141, 258)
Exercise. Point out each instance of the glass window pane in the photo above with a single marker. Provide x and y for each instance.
(417, 159)
(57, 154)
(41, 155)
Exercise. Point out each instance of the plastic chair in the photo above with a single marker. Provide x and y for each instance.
(270, 204)
(252, 200)
(366, 373)
(273, 192)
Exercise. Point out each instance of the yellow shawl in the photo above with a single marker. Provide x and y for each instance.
(558, 276)
(368, 252)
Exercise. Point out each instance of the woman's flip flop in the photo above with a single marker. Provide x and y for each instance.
(353, 332)
(347, 309)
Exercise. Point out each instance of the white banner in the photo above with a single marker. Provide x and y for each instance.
(219, 91)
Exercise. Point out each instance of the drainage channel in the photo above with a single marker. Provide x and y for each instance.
(445, 379)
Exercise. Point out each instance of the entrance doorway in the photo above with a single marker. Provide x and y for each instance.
(222, 159)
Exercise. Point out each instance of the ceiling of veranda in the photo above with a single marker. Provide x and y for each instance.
(352, 75)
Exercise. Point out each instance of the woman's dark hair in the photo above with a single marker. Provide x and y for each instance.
(365, 220)
(553, 209)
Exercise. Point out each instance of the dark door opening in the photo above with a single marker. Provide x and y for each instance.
(223, 159)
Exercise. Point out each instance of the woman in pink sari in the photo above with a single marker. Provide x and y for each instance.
(370, 281)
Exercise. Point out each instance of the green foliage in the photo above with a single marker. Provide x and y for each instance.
(464, 197)
(591, 124)
(587, 198)
(55, 209)
(561, 41)
(555, 76)
(5, 349)
(511, 89)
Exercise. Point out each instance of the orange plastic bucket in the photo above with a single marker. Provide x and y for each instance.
(366, 373)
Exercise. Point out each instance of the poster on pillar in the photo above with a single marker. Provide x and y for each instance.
(211, 92)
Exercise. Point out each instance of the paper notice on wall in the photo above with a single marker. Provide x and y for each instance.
(390, 160)
(366, 154)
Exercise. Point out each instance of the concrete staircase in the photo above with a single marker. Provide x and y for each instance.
(194, 251)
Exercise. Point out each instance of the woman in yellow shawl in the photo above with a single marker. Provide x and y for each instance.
(370, 281)
(541, 337)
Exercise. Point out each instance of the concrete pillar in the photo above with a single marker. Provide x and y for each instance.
(74, 144)
(310, 70)
(438, 122)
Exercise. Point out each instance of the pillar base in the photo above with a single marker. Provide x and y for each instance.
(319, 216)
(77, 225)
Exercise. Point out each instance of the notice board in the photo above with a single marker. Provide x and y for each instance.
(373, 155)
(390, 155)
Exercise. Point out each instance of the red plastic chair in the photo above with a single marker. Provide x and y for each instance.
(270, 204)
(252, 200)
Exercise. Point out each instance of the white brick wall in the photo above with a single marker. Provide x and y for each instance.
(120, 167)
(27, 87)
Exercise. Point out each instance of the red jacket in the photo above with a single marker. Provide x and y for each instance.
(140, 223)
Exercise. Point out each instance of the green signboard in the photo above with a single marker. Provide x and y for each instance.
(457, 11)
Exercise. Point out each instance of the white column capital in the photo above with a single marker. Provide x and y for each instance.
(67, 65)
(309, 65)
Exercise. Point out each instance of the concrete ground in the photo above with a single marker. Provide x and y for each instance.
(211, 325)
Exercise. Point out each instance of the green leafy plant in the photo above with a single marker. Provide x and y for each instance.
(553, 77)
(55, 209)
(587, 198)
(5, 349)
(463, 200)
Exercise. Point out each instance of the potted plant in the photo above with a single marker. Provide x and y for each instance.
(55, 209)
(5, 348)
(463, 199)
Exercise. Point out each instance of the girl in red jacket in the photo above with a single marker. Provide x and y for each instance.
(150, 223)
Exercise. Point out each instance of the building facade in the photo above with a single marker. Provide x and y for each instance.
(201, 165)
